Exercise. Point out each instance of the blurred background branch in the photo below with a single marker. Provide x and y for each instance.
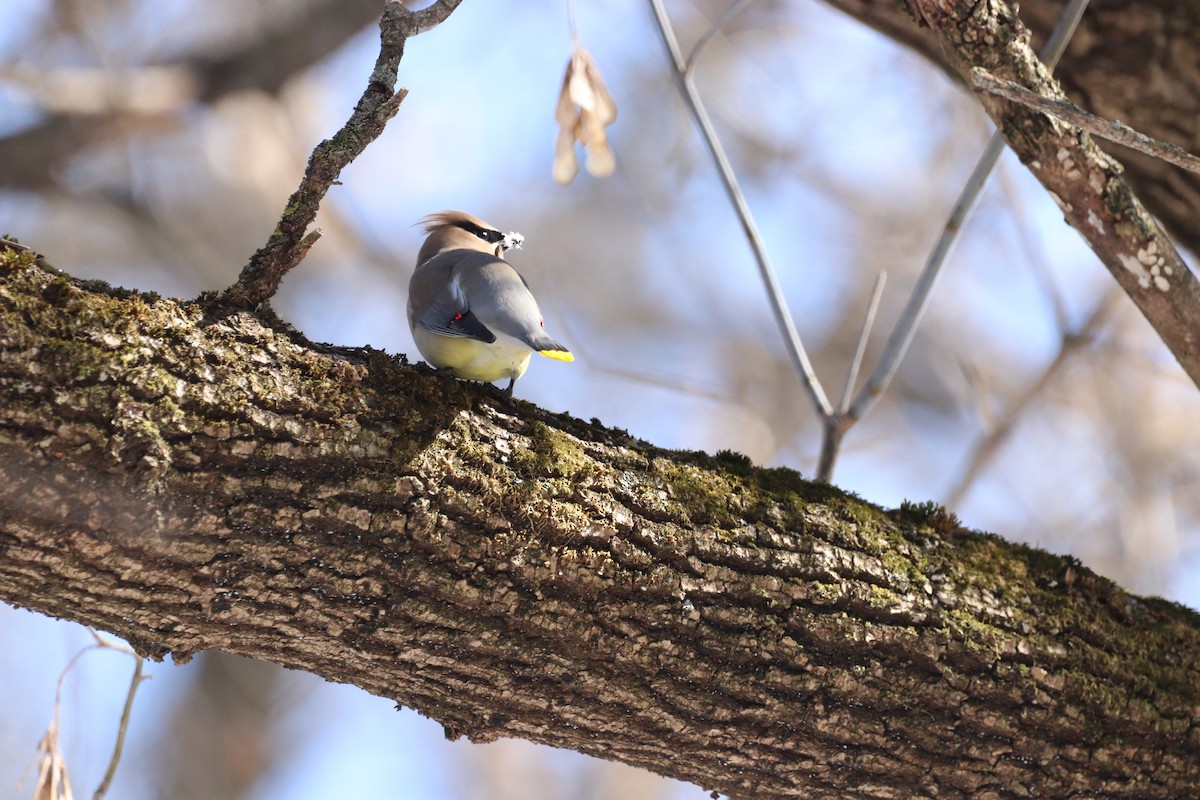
(114, 101)
(1000, 429)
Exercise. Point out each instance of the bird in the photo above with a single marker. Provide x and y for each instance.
(471, 314)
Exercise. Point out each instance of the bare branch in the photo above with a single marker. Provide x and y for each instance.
(1114, 131)
(835, 426)
(429, 18)
(906, 327)
(783, 318)
(379, 103)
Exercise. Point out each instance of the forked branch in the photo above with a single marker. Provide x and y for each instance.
(837, 422)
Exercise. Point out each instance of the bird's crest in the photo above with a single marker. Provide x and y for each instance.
(460, 219)
(451, 218)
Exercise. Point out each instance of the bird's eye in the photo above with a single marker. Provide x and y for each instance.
(542, 322)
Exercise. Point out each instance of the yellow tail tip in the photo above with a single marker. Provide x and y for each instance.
(557, 355)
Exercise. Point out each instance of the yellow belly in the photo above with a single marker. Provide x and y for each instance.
(473, 359)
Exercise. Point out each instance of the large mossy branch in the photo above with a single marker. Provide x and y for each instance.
(191, 482)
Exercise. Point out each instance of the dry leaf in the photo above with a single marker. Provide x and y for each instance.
(585, 108)
(52, 783)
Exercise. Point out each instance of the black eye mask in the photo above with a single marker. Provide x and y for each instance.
(507, 241)
(489, 236)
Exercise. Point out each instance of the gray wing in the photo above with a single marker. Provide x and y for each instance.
(437, 302)
(472, 294)
(502, 300)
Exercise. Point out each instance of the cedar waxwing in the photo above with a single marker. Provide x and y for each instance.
(471, 313)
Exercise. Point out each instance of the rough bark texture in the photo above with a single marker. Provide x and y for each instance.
(1137, 62)
(193, 483)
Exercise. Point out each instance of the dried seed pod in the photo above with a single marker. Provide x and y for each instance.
(585, 108)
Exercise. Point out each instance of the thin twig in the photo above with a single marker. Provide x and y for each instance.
(711, 33)
(863, 336)
(50, 742)
(906, 326)
(122, 729)
(783, 317)
(835, 426)
(1114, 131)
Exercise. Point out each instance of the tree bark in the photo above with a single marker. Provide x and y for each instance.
(193, 482)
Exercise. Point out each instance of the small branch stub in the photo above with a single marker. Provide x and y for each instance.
(1114, 131)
